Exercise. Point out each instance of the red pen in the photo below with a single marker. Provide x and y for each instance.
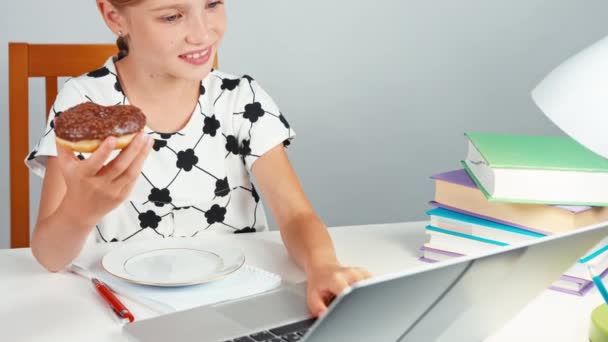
(114, 302)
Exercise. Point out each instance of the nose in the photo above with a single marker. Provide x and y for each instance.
(199, 31)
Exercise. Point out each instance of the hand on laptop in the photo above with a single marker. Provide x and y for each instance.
(326, 281)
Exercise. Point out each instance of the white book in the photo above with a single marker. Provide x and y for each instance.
(483, 231)
(460, 244)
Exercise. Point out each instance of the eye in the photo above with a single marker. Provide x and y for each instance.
(214, 4)
(171, 18)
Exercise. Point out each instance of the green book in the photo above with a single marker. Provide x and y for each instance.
(536, 169)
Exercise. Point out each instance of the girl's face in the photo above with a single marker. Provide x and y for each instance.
(175, 38)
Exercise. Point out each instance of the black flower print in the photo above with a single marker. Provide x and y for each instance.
(215, 214)
(283, 120)
(245, 149)
(149, 219)
(245, 230)
(101, 72)
(32, 155)
(186, 159)
(229, 84)
(211, 125)
(118, 87)
(114, 240)
(253, 111)
(57, 114)
(286, 143)
(166, 136)
(158, 144)
(232, 144)
(222, 188)
(248, 78)
(160, 197)
(254, 193)
(202, 90)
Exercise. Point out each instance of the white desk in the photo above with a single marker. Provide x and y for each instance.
(38, 306)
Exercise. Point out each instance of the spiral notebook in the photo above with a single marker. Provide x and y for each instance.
(246, 281)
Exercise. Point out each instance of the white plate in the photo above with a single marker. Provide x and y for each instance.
(172, 262)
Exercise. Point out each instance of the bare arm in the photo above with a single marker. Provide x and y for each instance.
(304, 234)
(77, 194)
(58, 236)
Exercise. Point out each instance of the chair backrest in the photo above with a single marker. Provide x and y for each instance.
(39, 60)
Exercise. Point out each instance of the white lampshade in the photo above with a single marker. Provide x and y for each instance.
(575, 97)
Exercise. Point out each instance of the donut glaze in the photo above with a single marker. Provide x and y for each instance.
(90, 121)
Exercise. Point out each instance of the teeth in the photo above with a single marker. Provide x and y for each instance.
(197, 55)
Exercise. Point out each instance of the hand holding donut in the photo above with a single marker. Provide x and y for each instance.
(92, 188)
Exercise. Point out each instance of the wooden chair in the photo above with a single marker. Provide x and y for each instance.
(39, 60)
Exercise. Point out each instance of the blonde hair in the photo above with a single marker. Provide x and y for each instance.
(122, 41)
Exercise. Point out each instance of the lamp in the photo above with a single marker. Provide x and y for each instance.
(575, 97)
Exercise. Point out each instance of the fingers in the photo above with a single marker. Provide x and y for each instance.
(95, 162)
(342, 280)
(356, 274)
(319, 299)
(321, 293)
(66, 159)
(338, 284)
(123, 161)
(316, 304)
(126, 180)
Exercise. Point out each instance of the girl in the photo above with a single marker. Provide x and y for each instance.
(189, 171)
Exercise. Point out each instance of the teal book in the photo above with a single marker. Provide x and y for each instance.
(461, 243)
(459, 222)
(536, 169)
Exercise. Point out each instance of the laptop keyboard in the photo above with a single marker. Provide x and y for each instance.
(286, 333)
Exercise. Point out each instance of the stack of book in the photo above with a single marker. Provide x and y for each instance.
(516, 188)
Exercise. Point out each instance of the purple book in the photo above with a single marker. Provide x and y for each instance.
(461, 177)
(440, 251)
(583, 291)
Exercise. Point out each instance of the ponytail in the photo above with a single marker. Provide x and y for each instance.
(123, 47)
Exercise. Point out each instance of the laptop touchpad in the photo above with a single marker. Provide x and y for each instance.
(267, 310)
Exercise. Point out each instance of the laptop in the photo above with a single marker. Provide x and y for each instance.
(463, 299)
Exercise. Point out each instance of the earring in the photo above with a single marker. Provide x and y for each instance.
(120, 33)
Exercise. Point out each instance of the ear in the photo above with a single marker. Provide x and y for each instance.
(112, 17)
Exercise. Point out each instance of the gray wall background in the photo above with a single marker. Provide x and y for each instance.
(379, 92)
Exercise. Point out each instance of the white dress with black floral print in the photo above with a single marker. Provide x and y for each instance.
(195, 179)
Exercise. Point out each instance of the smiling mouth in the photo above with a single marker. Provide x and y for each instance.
(197, 55)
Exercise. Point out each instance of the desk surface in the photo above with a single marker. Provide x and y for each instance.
(40, 306)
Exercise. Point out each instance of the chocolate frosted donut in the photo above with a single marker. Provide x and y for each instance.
(85, 126)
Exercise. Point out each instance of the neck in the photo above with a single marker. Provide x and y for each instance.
(145, 87)
(166, 101)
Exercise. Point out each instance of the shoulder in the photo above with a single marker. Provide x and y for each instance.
(234, 90)
(220, 80)
(100, 85)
